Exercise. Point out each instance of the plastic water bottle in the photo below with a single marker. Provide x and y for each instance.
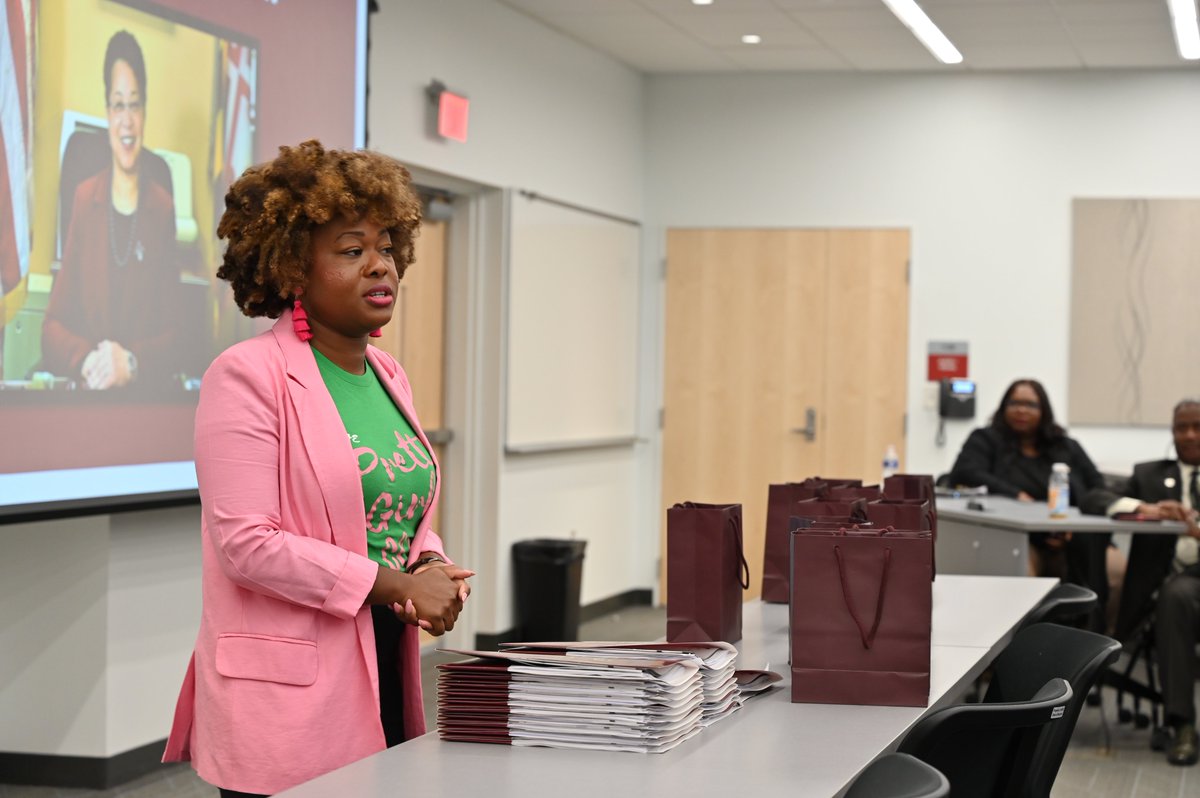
(891, 461)
(1060, 490)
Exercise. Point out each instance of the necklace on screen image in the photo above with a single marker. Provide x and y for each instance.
(119, 259)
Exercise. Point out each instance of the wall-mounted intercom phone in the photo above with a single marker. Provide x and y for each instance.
(957, 398)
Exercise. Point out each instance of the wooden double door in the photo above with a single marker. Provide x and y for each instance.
(785, 357)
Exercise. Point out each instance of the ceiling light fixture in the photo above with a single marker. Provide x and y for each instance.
(702, 2)
(751, 38)
(1187, 31)
(923, 28)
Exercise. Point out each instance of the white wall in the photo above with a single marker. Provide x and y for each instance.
(97, 620)
(982, 168)
(551, 116)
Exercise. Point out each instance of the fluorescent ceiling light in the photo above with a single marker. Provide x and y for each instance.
(1187, 32)
(751, 38)
(923, 28)
(702, 2)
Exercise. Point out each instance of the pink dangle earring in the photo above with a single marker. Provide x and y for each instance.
(300, 319)
(376, 333)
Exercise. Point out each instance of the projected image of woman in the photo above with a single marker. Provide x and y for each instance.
(110, 318)
(317, 487)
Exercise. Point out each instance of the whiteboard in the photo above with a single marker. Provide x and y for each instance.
(572, 327)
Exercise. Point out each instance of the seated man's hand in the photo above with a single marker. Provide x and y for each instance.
(1166, 510)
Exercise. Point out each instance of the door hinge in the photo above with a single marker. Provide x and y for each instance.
(905, 426)
(663, 269)
(908, 271)
(662, 417)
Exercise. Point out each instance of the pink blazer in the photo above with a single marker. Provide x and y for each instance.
(282, 685)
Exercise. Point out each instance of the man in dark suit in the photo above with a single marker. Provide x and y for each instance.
(1166, 489)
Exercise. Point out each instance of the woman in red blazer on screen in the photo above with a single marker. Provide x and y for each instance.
(316, 486)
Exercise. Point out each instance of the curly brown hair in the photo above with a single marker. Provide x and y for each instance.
(273, 208)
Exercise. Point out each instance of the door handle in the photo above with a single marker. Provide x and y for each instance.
(439, 437)
(809, 430)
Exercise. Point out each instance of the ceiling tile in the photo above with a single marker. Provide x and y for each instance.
(687, 6)
(787, 59)
(825, 18)
(802, 35)
(1143, 33)
(725, 29)
(1114, 13)
(805, 5)
(905, 57)
(539, 7)
(1031, 56)
(1107, 55)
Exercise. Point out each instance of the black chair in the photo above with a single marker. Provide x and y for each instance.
(899, 776)
(1065, 602)
(1140, 649)
(987, 750)
(1049, 651)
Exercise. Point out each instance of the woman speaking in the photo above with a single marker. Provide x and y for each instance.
(317, 486)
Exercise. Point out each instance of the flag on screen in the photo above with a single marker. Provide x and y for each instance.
(16, 115)
(239, 110)
(233, 122)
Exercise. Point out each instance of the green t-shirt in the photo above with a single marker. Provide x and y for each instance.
(398, 475)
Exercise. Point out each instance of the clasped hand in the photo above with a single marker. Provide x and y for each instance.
(107, 366)
(436, 594)
(1169, 510)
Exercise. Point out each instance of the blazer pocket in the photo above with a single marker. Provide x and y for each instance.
(264, 658)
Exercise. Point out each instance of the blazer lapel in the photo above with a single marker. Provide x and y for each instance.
(403, 401)
(323, 437)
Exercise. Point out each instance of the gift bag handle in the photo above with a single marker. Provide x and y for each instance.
(868, 638)
(744, 568)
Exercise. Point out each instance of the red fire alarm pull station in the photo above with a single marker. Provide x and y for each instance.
(452, 110)
(947, 359)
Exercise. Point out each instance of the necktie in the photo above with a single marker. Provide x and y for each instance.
(1194, 490)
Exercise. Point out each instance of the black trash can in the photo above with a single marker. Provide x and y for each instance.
(547, 574)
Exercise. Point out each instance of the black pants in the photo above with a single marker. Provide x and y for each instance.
(389, 631)
(1176, 631)
(1087, 565)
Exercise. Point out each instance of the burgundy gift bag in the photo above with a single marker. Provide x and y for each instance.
(915, 487)
(844, 493)
(916, 514)
(860, 616)
(706, 572)
(782, 501)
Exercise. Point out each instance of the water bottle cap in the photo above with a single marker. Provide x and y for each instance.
(1061, 468)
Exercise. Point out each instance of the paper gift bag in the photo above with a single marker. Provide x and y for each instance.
(849, 492)
(706, 572)
(914, 514)
(860, 616)
(782, 501)
(910, 487)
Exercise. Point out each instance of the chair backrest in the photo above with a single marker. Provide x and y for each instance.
(899, 776)
(1064, 602)
(1048, 651)
(986, 750)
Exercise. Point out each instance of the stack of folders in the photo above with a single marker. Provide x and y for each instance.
(640, 697)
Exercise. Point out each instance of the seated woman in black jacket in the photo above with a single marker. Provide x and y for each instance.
(1013, 456)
